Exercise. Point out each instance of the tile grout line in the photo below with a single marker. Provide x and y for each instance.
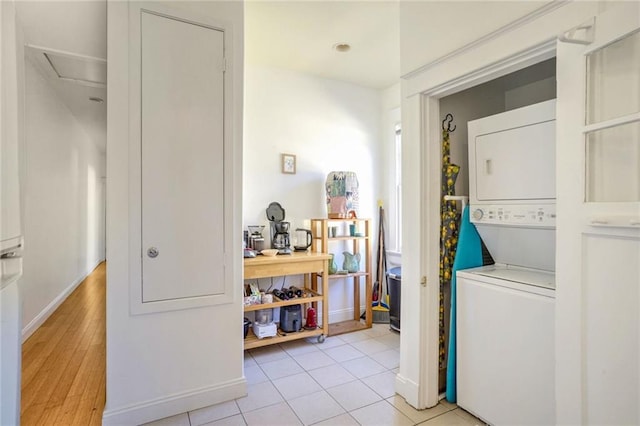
(322, 388)
(278, 390)
(358, 379)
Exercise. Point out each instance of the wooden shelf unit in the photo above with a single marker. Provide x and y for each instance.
(312, 266)
(277, 302)
(359, 244)
(251, 341)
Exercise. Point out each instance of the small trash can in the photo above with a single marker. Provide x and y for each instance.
(247, 324)
(394, 276)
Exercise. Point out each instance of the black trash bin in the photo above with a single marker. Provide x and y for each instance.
(394, 276)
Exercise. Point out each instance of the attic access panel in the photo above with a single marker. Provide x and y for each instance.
(77, 68)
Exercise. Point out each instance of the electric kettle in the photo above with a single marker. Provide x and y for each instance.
(304, 239)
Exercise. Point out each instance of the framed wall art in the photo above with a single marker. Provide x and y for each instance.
(288, 163)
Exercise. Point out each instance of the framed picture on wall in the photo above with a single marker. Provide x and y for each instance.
(288, 163)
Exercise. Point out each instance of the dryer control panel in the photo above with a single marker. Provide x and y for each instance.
(542, 216)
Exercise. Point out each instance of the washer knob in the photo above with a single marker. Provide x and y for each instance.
(477, 214)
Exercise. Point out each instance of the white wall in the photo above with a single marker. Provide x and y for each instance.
(329, 125)
(164, 363)
(63, 202)
(390, 111)
(432, 29)
(473, 103)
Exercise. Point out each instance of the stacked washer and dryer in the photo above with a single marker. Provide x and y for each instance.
(506, 311)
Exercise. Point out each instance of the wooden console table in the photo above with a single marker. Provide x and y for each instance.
(310, 265)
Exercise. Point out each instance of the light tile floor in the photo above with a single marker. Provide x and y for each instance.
(347, 380)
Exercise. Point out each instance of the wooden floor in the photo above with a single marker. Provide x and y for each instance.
(63, 362)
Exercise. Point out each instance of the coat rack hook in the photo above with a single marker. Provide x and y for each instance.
(448, 119)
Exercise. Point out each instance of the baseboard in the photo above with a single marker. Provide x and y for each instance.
(171, 405)
(407, 389)
(337, 315)
(39, 319)
(340, 315)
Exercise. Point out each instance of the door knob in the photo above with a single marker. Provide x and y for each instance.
(152, 252)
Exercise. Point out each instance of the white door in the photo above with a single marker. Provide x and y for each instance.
(10, 228)
(182, 111)
(598, 226)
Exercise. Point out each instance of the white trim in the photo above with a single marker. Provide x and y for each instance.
(11, 243)
(35, 323)
(614, 122)
(175, 404)
(531, 17)
(607, 36)
(411, 342)
(535, 54)
(407, 389)
(528, 37)
(429, 296)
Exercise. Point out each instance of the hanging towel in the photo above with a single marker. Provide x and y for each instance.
(468, 255)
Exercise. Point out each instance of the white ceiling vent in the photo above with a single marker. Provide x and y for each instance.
(70, 67)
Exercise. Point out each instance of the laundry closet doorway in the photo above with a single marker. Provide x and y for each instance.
(530, 85)
(423, 114)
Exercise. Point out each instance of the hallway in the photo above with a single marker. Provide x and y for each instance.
(63, 362)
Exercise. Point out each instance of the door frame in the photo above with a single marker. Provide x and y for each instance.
(432, 158)
(478, 62)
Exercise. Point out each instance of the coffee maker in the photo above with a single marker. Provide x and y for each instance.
(280, 238)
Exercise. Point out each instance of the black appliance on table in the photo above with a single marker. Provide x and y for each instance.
(291, 318)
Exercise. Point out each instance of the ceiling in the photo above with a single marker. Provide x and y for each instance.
(296, 35)
(300, 35)
(77, 31)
